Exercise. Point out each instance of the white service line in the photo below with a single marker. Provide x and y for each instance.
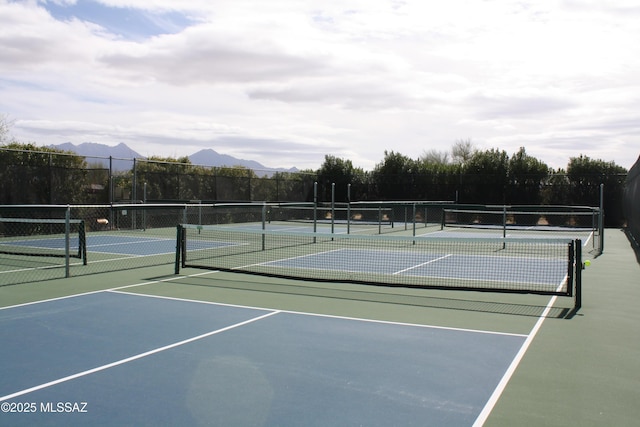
(132, 358)
(330, 316)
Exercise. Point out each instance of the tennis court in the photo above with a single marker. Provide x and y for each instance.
(305, 335)
(167, 361)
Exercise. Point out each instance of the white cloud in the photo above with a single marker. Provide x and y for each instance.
(295, 80)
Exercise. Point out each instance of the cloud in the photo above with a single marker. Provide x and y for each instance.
(195, 59)
(292, 80)
(518, 107)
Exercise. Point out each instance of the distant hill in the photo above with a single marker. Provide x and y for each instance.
(209, 157)
(122, 155)
(98, 154)
(91, 149)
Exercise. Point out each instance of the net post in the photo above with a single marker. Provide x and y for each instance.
(577, 296)
(179, 247)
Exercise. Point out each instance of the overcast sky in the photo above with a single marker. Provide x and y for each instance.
(286, 82)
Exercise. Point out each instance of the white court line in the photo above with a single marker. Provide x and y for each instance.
(290, 259)
(495, 396)
(303, 313)
(423, 263)
(586, 242)
(151, 282)
(138, 241)
(132, 358)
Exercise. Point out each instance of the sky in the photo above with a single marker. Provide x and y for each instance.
(287, 82)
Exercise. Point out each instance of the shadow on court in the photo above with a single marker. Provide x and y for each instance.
(378, 295)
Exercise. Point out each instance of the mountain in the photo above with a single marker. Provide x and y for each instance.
(209, 157)
(91, 149)
(98, 154)
(122, 157)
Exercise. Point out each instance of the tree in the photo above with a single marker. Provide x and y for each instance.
(5, 126)
(435, 157)
(585, 178)
(342, 173)
(41, 175)
(295, 186)
(485, 177)
(436, 181)
(234, 183)
(161, 178)
(394, 177)
(462, 151)
(526, 177)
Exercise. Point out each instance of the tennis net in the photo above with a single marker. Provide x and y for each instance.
(584, 222)
(38, 237)
(539, 266)
(373, 218)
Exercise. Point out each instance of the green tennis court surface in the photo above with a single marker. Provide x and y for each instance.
(148, 347)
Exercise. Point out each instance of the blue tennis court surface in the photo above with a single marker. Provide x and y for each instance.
(449, 266)
(130, 245)
(45, 243)
(124, 359)
(117, 244)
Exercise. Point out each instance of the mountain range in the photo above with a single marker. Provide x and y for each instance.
(122, 156)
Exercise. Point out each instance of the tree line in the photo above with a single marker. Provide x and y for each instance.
(40, 175)
(481, 177)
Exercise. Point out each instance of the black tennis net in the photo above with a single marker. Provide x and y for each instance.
(539, 266)
(583, 222)
(38, 237)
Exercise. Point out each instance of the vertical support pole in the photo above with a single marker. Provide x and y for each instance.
(414, 219)
(111, 192)
(110, 180)
(504, 226)
(406, 218)
(264, 223)
(504, 221)
(144, 209)
(333, 206)
(348, 208)
(315, 209)
(67, 232)
(134, 193)
(601, 219)
(82, 242)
